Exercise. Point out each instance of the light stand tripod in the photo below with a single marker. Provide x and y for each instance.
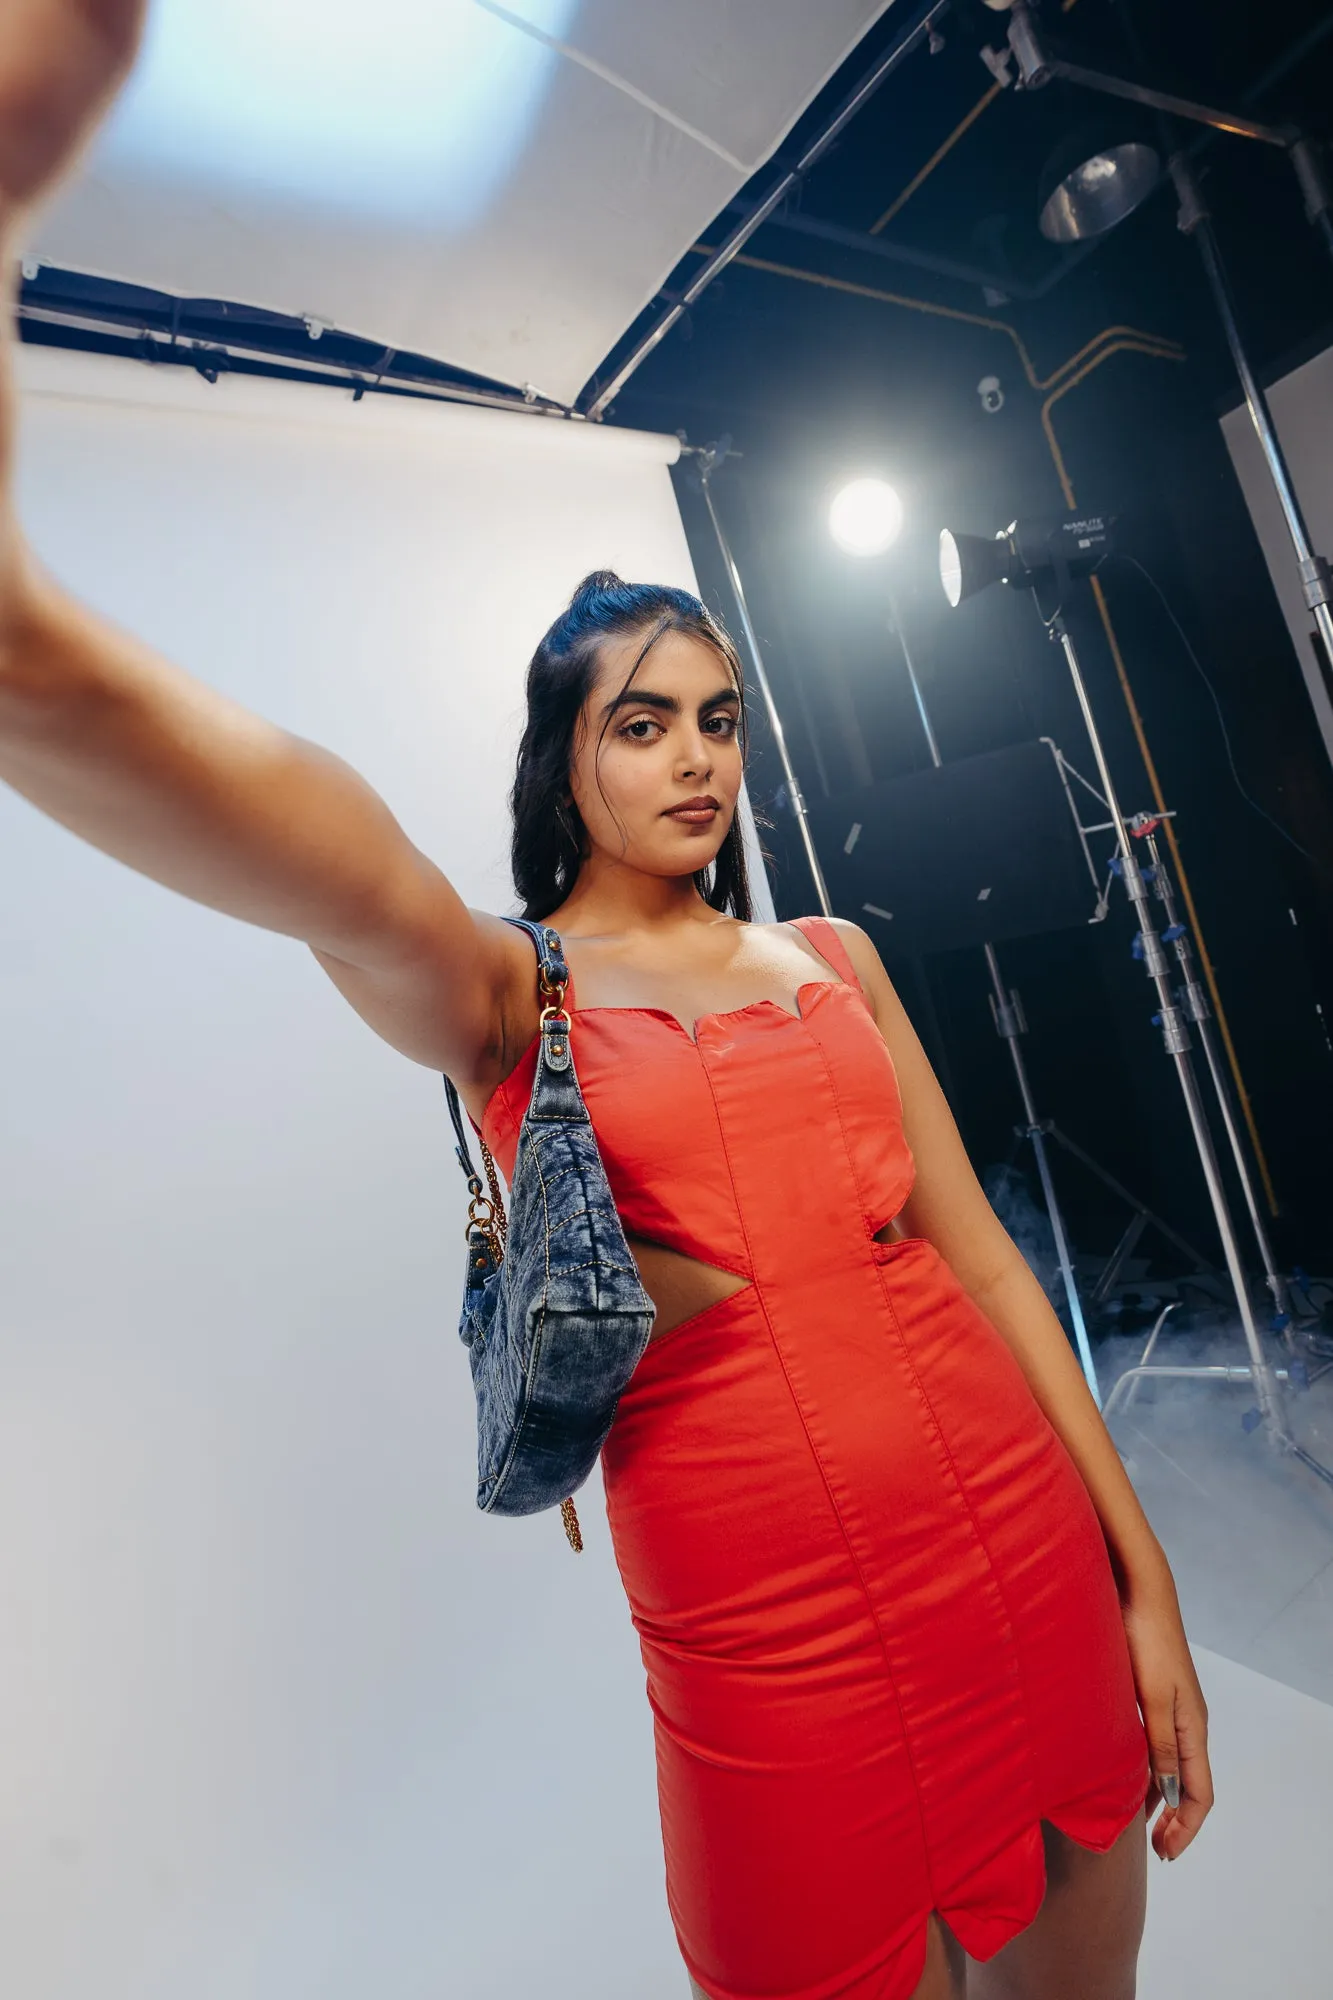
(1176, 1040)
(1194, 1001)
(1023, 555)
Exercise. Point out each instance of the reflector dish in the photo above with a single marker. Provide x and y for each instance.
(1085, 196)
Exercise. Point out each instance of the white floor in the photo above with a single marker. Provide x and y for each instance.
(1248, 1910)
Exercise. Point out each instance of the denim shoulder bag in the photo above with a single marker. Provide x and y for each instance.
(555, 1318)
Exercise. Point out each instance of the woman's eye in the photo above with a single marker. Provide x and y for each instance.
(637, 730)
(726, 725)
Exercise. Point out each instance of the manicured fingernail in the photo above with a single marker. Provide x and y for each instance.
(1170, 1785)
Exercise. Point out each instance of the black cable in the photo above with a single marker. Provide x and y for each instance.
(1253, 804)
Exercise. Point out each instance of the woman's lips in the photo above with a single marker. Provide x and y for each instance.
(694, 813)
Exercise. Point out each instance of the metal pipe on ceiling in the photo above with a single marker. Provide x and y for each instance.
(156, 348)
(897, 52)
(886, 249)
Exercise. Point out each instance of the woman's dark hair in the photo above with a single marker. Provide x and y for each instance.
(549, 840)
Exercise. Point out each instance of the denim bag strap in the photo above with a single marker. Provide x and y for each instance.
(552, 979)
(554, 1316)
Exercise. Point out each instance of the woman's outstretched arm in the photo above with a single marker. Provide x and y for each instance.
(170, 776)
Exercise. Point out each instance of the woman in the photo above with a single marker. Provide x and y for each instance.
(895, 1595)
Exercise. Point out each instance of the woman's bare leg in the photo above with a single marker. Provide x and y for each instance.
(1085, 1938)
(945, 1974)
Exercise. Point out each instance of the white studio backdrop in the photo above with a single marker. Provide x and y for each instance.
(1302, 407)
(500, 184)
(283, 1714)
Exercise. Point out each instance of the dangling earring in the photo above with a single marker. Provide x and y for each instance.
(566, 823)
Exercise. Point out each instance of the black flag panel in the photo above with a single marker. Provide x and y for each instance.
(981, 849)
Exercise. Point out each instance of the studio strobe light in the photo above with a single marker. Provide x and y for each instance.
(866, 517)
(1024, 553)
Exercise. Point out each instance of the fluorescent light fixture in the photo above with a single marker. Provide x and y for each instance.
(413, 112)
(866, 517)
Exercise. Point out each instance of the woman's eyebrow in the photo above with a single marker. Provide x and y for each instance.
(636, 697)
(642, 698)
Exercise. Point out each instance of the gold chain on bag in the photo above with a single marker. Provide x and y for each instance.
(494, 1224)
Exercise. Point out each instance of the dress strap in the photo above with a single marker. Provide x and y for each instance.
(830, 946)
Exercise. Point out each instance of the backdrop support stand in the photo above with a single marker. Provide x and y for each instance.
(708, 459)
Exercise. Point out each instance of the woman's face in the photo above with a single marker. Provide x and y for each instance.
(656, 768)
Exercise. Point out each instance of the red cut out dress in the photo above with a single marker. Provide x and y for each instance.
(874, 1603)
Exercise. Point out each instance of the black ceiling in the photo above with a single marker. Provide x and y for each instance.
(934, 183)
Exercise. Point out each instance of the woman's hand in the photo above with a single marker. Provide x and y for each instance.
(1174, 1712)
(60, 63)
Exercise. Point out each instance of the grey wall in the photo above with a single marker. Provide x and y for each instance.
(1302, 407)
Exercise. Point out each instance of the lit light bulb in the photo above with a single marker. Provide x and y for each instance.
(866, 517)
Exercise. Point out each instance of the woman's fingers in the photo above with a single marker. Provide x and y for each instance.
(1182, 1775)
(60, 63)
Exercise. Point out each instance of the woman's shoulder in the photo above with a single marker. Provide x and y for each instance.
(856, 941)
(860, 951)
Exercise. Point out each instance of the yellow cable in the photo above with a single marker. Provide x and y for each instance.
(987, 97)
(1169, 350)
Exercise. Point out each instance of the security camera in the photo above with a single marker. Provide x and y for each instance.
(991, 394)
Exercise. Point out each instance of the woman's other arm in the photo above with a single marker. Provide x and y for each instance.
(167, 775)
(948, 1206)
